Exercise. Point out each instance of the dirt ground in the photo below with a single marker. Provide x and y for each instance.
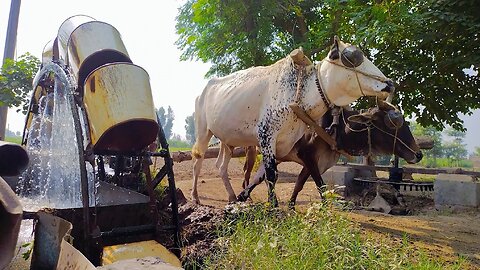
(445, 233)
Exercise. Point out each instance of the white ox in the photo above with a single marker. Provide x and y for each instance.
(251, 107)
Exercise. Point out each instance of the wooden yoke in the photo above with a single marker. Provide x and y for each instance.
(301, 61)
(318, 129)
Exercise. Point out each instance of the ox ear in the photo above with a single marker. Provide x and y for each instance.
(334, 50)
(362, 118)
(386, 106)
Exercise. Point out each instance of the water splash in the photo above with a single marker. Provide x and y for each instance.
(53, 177)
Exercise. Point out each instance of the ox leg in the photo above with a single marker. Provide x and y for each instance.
(272, 176)
(219, 160)
(250, 158)
(312, 167)
(198, 152)
(257, 179)
(227, 155)
(197, 167)
(317, 178)
(302, 178)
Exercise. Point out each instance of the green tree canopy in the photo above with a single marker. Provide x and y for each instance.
(190, 128)
(434, 134)
(423, 45)
(455, 149)
(16, 81)
(166, 120)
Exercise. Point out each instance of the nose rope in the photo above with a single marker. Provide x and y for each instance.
(398, 139)
(375, 77)
(319, 79)
(395, 141)
(368, 130)
(369, 140)
(396, 132)
(356, 75)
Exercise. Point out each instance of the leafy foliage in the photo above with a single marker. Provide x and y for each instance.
(423, 45)
(16, 81)
(445, 153)
(456, 149)
(477, 151)
(166, 120)
(190, 128)
(434, 134)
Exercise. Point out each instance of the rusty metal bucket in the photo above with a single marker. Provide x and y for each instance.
(119, 105)
(85, 44)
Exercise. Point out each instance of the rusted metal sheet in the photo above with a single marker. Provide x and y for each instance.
(93, 44)
(120, 108)
(47, 53)
(150, 263)
(71, 258)
(151, 248)
(10, 221)
(65, 30)
(49, 234)
(53, 250)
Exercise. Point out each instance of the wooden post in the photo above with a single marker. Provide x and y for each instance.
(9, 53)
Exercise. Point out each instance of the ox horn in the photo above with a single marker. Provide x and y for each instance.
(390, 96)
(393, 119)
(299, 57)
(362, 118)
(385, 106)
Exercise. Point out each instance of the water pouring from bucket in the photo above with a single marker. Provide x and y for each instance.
(53, 177)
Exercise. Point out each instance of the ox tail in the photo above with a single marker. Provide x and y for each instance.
(196, 152)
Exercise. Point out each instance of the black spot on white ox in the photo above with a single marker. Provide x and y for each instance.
(251, 107)
(379, 131)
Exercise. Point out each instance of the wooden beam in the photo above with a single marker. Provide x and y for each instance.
(424, 142)
(414, 169)
(210, 153)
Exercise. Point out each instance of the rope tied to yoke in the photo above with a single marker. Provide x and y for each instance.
(371, 125)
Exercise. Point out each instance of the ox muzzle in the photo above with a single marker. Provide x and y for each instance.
(389, 88)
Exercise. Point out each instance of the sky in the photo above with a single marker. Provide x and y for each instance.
(148, 32)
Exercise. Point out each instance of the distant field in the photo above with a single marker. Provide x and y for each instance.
(14, 139)
(176, 149)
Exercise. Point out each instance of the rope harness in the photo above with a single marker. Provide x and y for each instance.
(368, 128)
(300, 112)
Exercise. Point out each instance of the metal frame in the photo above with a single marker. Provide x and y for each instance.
(91, 235)
(166, 170)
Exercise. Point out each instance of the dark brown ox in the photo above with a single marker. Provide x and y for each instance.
(380, 130)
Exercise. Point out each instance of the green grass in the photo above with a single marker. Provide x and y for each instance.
(321, 238)
(14, 139)
(176, 149)
(446, 163)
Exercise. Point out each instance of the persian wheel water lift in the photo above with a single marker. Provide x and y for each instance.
(113, 116)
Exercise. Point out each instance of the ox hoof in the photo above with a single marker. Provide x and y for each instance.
(243, 196)
(291, 205)
(195, 199)
(273, 202)
(197, 202)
